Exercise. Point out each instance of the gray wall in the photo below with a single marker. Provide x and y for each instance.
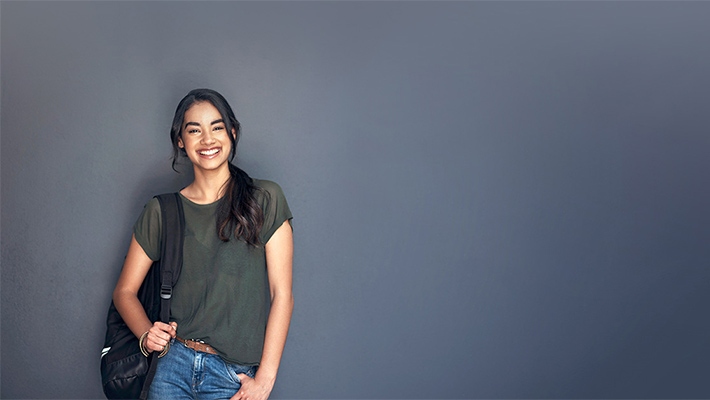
(491, 200)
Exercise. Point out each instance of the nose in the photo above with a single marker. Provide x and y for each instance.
(208, 138)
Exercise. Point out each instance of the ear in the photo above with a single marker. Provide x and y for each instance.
(234, 134)
(180, 143)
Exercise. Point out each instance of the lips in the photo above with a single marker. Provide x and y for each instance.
(209, 153)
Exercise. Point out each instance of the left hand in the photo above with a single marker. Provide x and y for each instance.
(252, 389)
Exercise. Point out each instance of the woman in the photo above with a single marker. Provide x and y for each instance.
(237, 232)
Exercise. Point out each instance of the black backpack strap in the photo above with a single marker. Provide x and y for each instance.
(171, 249)
(173, 228)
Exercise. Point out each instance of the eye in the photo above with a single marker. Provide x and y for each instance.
(193, 131)
(218, 128)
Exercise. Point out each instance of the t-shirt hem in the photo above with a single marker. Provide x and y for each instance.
(276, 227)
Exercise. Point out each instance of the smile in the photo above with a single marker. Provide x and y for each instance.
(209, 152)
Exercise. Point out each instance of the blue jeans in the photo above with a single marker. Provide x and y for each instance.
(184, 373)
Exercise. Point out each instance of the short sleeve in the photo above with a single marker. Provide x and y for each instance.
(147, 229)
(275, 207)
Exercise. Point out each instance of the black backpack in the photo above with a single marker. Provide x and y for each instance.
(125, 372)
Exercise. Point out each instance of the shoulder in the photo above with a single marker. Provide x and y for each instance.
(269, 186)
(268, 189)
(153, 204)
(151, 209)
(147, 229)
(152, 212)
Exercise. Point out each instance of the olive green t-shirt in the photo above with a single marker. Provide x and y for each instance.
(221, 296)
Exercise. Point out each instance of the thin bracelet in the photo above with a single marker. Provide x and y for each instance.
(145, 352)
(140, 344)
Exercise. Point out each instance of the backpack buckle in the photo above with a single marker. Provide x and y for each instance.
(166, 292)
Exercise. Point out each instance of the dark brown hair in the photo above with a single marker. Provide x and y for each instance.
(238, 211)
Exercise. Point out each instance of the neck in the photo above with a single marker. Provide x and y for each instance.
(208, 186)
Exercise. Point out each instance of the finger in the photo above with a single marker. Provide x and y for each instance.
(159, 339)
(158, 342)
(174, 330)
(169, 329)
(243, 377)
(152, 346)
(157, 332)
(163, 326)
(160, 345)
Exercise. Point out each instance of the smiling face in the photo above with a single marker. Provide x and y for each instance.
(204, 137)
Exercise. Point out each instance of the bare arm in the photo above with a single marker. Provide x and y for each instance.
(125, 297)
(279, 264)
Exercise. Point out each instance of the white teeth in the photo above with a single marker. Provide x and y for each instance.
(209, 152)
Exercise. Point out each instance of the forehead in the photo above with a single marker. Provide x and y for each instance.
(202, 111)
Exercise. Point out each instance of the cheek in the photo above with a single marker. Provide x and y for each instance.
(229, 145)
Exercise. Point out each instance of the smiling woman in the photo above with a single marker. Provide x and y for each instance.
(205, 137)
(237, 234)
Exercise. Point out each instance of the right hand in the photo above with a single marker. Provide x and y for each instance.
(159, 335)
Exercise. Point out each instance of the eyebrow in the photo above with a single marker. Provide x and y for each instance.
(217, 121)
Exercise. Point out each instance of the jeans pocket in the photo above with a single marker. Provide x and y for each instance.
(235, 369)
